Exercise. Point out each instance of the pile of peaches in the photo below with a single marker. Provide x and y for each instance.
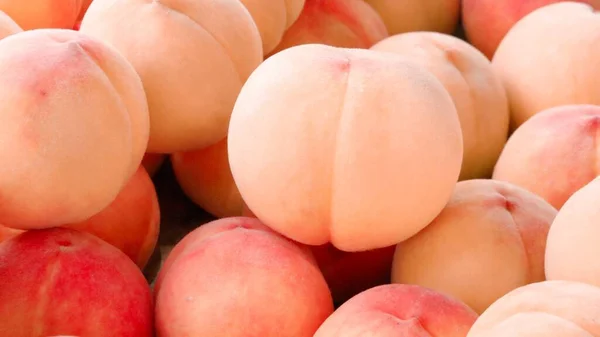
(384, 168)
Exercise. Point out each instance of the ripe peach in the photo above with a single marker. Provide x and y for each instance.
(62, 281)
(72, 129)
(339, 23)
(418, 15)
(273, 18)
(219, 282)
(399, 310)
(8, 26)
(477, 92)
(487, 226)
(192, 62)
(152, 162)
(541, 155)
(486, 22)
(549, 58)
(573, 238)
(7, 233)
(205, 177)
(550, 308)
(35, 14)
(343, 140)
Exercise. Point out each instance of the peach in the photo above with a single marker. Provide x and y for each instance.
(192, 62)
(549, 58)
(477, 92)
(7, 233)
(348, 274)
(353, 147)
(399, 310)
(549, 308)
(37, 14)
(152, 162)
(486, 22)
(572, 241)
(8, 26)
(273, 18)
(418, 15)
(338, 23)
(218, 283)
(552, 154)
(74, 127)
(62, 281)
(486, 227)
(205, 177)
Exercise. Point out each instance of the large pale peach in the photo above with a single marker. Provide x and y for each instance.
(339, 23)
(8, 26)
(486, 22)
(477, 92)
(273, 18)
(552, 154)
(205, 177)
(573, 239)
(240, 281)
(349, 146)
(549, 308)
(399, 310)
(74, 127)
(191, 59)
(549, 58)
(61, 281)
(418, 15)
(35, 14)
(487, 226)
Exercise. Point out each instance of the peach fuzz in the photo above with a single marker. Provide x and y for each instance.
(552, 154)
(48, 276)
(399, 310)
(549, 308)
(477, 92)
(194, 294)
(549, 58)
(190, 97)
(205, 177)
(73, 129)
(573, 239)
(344, 140)
(418, 15)
(338, 23)
(486, 22)
(36, 14)
(8, 26)
(152, 162)
(487, 226)
(273, 18)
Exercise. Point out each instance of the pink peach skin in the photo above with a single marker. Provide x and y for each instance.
(152, 162)
(241, 281)
(487, 226)
(8, 26)
(36, 14)
(304, 127)
(550, 308)
(61, 281)
(548, 59)
(476, 90)
(190, 97)
(553, 153)
(74, 128)
(486, 22)
(338, 23)
(205, 177)
(399, 310)
(418, 15)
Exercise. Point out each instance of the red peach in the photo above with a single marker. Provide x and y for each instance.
(35, 14)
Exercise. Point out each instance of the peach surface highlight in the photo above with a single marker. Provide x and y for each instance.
(548, 59)
(366, 156)
(399, 310)
(191, 61)
(61, 281)
(487, 226)
(76, 127)
(283, 289)
(552, 154)
(477, 92)
(549, 308)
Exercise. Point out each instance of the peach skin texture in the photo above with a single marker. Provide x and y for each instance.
(61, 281)
(333, 162)
(487, 226)
(76, 129)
